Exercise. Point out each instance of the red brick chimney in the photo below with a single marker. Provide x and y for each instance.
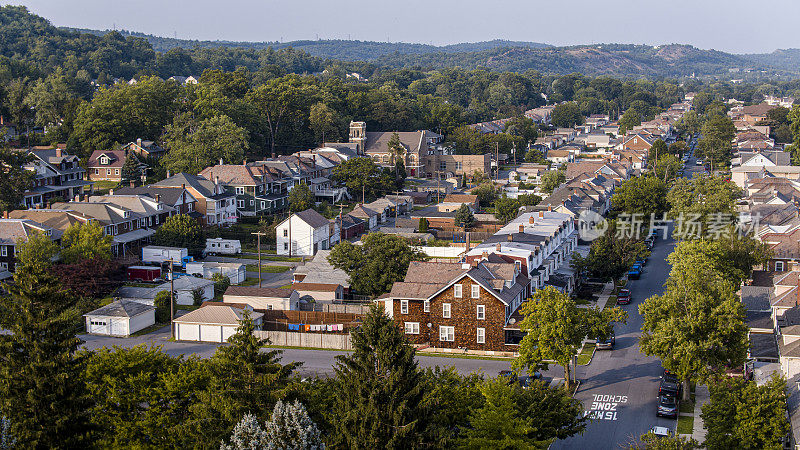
(498, 247)
(58, 152)
(530, 220)
(521, 228)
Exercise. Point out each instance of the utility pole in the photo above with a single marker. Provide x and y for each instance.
(259, 234)
(171, 298)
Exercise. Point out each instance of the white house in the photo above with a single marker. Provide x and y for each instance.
(213, 322)
(120, 318)
(307, 232)
(185, 287)
(263, 298)
(234, 271)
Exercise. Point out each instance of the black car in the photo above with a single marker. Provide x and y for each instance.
(669, 386)
(668, 406)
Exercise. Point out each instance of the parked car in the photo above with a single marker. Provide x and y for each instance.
(635, 273)
(669, 386)
(668, 406)
(624, 297)
(641, 261)
(699, 162)
(605, 344)
(523, 380)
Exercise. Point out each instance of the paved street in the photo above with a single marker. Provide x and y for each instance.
(619, 387)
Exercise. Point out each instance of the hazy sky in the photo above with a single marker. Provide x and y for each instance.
(738, 26)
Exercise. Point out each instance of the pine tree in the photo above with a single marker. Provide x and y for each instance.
(291, 429)
(247, 435)
(131, 170)
(7, 441)
(379, 389)
(41, 387)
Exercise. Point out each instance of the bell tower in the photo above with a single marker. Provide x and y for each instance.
(358, 135)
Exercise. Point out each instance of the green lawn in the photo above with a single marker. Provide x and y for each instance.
(585, 356)
(249, 282)
(685, 424)
(687, 407)
(272, 258)
(267, 269)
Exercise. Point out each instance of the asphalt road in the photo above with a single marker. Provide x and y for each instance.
(619, 388)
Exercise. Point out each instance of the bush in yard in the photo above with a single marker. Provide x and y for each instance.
(161, 303)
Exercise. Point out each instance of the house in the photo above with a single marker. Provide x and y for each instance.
(258, 188)
(144, 149)
(638, 142)
(178, 198)
(452, 202)
(120, 318)
(528, 173)
(303, 234)
(235, 272)
(217, 206)
(15, 231)
(369, 216)
(57, 176)
(185, 287)
(468, 306)
(214, 322)
(559, 156)
(106, 165)
(350, 227)
(320, 271)
(320, 292)
(264, 299)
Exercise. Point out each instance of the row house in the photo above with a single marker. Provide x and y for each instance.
(179, 197)
(541, 114)
(106, 165)
(325, 162)
(16, 231)
(258, 189)
(57, 175)
(458, 306)
(216, 205)
(129, 219)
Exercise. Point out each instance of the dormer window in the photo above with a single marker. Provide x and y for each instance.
(126, 214)
(104, 160)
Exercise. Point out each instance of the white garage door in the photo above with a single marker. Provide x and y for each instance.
(117, 327)
(98, 325)
(210, 333)
(188, 332)
(228, 332)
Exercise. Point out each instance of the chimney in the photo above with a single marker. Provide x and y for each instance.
(498, 247)
(244, 162)
(510, 237)
(549, 207)
(220, 162)
(5, 214)
(58, 152)
(521, 228)
(77, 197)
(158, 198)
(530, 220)
(132, 184)
(486, 254)
(466, 242)
(2, 120)
(475, 262)
(139, 142)
(541, 214)
(110, 192)
(168, 175)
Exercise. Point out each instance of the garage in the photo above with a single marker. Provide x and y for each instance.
(120, 318)
(213, 322)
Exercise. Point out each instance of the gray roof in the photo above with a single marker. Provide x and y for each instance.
(200, 184)
(187, 283)
(756, 298)
(121, 308)
(320, 270)
(313, 218)
(137, 292)
(763, 346)
(759, 319)
(217, 314)
(170, 196)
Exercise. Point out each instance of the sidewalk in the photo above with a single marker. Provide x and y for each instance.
(701, 396)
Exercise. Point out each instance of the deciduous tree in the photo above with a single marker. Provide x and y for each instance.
(300, 198)
(84, 241)
(194, 145)
(15, 178)
(181, 230)
(552, 179)
(506, 209)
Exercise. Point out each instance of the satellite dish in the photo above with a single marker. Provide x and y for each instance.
(512, 321)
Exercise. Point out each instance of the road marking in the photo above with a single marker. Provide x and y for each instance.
(604, 406)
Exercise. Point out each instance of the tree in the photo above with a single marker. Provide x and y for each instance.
(506, 209)
(702, 199)
(464, 217)
(91, 278)
(84, 241)
(529, 199)
(247, 435)
(535, 156)
(395, 148)
(643, 195)
(630, 119)
(715, 140)
(552, 179)
(281, 102)
(486, 193)
(423, 225)
(300, 198)
(658, 149)
(523, 127)
(741, 414)
(361, 176)
(375, 265)
(612, 254)
(556, 328)
(7, 440)
(566, 115)
(290, 428)
(667, 167)
(379, 389)
(181, 230)
(689, 123)
(132, 169)
(221, 284)
(697, 325)
(400, 175)
(39, 250)
(652, 442)
(162, 304)
(325, 122)
(15, 178)
(244, 378)
(42, 392)
(194, 145)
(499, 424)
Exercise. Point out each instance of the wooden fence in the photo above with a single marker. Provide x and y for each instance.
(310, 340)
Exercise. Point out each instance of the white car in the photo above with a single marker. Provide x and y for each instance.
(660, 431)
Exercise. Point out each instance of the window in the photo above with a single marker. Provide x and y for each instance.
(286, 246)
(263, 205)
(240, 203)
(116, 171)
(476, 291)
(97, 171)
(3, 250)
(457, 291)
(285, 232)
(778, 265)
(4, 265)
(403, 306)
(458, 165)
(239, 190)
(412, 327)
(481, 312)
(426, 306)
(446, 310)
(447, 334)
(252, 202)
(481, 336)
(442, 165)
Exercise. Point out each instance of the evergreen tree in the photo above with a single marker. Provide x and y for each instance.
(42, 391)
(243, 379)
(379, 389)
(423, 225)
(291, 429)
(131, 170)
(7, 441)
(247, 435)
(464, 217)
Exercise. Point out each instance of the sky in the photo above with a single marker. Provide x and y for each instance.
(735, 26)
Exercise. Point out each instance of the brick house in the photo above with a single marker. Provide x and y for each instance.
(458, 306)
(106, 165)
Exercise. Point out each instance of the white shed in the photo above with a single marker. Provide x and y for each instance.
(234, 271)
(263, 298)
(120, 318)
(185, 287)
(213, 322)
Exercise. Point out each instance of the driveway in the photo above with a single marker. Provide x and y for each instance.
(619, 388)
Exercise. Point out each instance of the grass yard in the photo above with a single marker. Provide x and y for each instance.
(150, 329)
(267, 269)
(687, 407)
(249, 282)
(585, 356)
(685, 424)
(272, 258)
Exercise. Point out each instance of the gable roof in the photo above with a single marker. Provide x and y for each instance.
(413, 141)
(312, 218)
(203, 186)
(255, 291)
(121, 308)
(116, 157)
(217, 314)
